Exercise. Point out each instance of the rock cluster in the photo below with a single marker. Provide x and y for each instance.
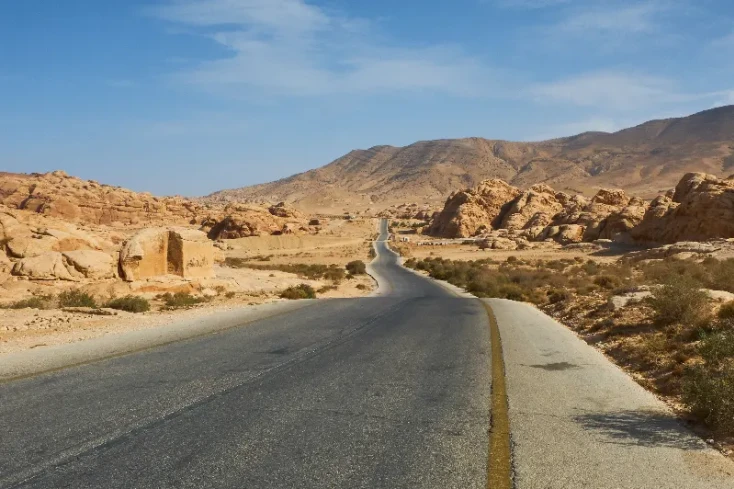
(57, 194)
(700, 208)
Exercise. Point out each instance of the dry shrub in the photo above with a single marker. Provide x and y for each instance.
(708, 388)
(680, 301)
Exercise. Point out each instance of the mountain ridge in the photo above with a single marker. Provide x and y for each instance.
(643, 159)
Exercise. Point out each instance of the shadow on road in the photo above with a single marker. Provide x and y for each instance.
(641, 428)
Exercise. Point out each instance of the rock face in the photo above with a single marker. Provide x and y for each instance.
(535, 207)
(701, 208)
(167, 251)
(69, 265)
(467, 211)
(542, 214)
(56, 194)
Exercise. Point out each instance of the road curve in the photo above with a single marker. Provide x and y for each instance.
(390, 391)
(380, 392)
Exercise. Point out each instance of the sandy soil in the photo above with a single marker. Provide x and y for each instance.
(471, 252)
(340, 241)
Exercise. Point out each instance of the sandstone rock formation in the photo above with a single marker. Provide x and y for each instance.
(534, 207)
(468, 210)
(69, 265)
(56, 194)
(701, 208)
(167, 251)
(539, 214)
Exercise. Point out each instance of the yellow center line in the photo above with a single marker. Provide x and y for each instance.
(499, 465)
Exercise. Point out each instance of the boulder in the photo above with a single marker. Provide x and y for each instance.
(91, 264)
(535, 207)
(155, 252)
(48, 266)
(465, 212)
(702, 208)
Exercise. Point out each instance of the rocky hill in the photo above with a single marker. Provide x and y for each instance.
(700, 208)
(87, 202)
(644, 160)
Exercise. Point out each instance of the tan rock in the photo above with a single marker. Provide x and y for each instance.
(535, 207)
(162, 251)
(91, 264)
(48, 266)
(466, 211)
(702, 208)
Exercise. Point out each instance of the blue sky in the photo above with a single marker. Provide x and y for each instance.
(192, 96)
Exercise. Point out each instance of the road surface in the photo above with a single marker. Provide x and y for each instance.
(391, 391)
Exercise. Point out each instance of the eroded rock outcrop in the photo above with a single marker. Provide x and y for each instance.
(167, 251)
(701, 208)
(465, 212)
(57, 194)
(69, 265)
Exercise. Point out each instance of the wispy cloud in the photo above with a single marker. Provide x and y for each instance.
(639, 17)
(289, 47)
(615, 91)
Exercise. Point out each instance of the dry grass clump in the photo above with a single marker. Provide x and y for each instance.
(307, 271)
(296, 292)
(76, 298)
(129, 303)
(181, 300)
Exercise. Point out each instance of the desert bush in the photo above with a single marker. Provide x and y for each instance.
(556, 296)
(181, 300)
(129, 303)
(301, 291)
(308, 271)
(608, 282)
(512, 259)
(362, 287)
(727, 311)
(230, 295)
(356, 267)
(76, 298)
(326, 288)
(680, 301)
(36, 302)
(708, 388)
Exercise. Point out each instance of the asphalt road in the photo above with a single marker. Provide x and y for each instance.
(381, 392)
(391, 391)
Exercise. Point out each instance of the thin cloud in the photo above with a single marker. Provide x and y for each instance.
(611, 91)
(289, 47)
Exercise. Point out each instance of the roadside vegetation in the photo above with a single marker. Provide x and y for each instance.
(301, 291)
(668, 329)
(129, 303)
(308, 271)
(181, 300)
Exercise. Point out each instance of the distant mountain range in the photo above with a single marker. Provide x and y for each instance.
(642, 160)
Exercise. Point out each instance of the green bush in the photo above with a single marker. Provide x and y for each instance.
(129, 303)
(181, 300)
(76, 298)
(356, 267)
(301, 291)
(680, 301)
(708, 389)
